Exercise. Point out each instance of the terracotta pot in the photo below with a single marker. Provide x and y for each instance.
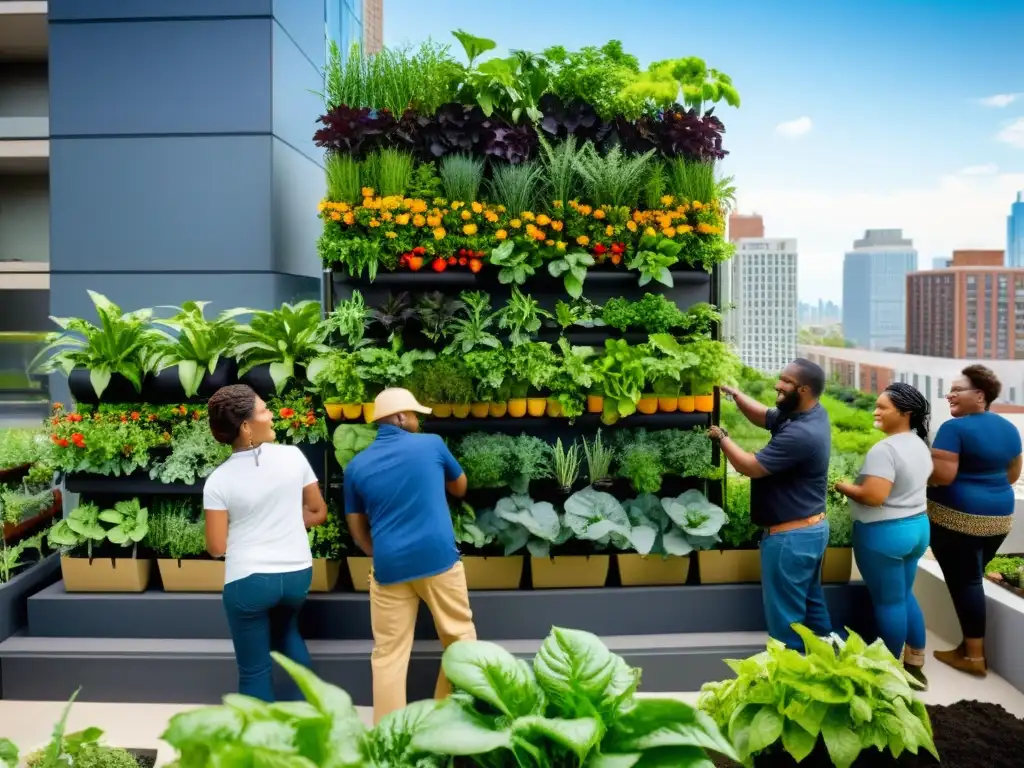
(460, 411)
(325, 575)
(105, 574)
(668, 404)
(192, 575)
(704, 403)
(517, 407)
(441, 410)
(368, 410)
(479, 410)
(352, 411)
(729, 566)
(647, 405)
(652, 570)
(359, 569)
(554, 409)
(686, 403)
(571, 571)
(486, 573)
(595, 403)
(335, 411)
(837, 566)
(536, 406)
(497, 410)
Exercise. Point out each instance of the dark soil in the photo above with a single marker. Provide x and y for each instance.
(146, 758)
(968, 734)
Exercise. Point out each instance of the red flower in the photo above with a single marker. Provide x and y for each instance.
(55, 421)
(124, 418)
(55, 438)
(136, 415)
(311, 420)
(78, 439)
(196, 415)
(600, 250)
(76, 417)
(419, 250)
(62, 443)
(286, 413)
(151, 417)
(618, 248)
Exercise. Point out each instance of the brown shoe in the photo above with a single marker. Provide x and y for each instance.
(957, 659)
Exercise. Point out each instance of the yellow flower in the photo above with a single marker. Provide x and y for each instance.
(402, 218)
(501, 234)
(560, 245)
(390, 235)
(368, 202)
(456, 204)
(638, 216)
(368, 192)
(549, 243)
(650, 232)
(538, 234)
(582, 240)
(439, 233)
(707, 229)
(374, 223)
(667, 200)
(609, 230)
(669, 232)
(466, 215)
(418, 206)
(491, 216)
(631, 226)
(386, 215)
(543, 220)
(557, 226)
(477, 208)
(469, 229)
(418, 220)
(434, 221)
(501, 209)
(682, 229)
(527, 216)
(697, 205)
(321, 206)
(557, 203)
(350, 218)
(341, 207)
(515, 223)
(598, 214)
(335, 215)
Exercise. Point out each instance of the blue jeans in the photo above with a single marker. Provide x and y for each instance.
(791, 583)
(263, 614)
(887, 553)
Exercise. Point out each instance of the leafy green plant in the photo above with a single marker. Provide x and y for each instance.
(80, 528)
(562, 182)
(639, 460)
(739, 531)
(129, 521)
(531, 366)
(425, 183)
(388, 172)
(19, 447)
(443, 380)
(516, 265)
(837, 506)
(465, 526)
(64, 749)
(580, 311)
(529, 460)
(337, 376)
(653, 314)
(654, 257)
(686, 453)
(654, 185)
(521, 317)
(512, 85)
(698, 522)
(665, 368)
(343, 181)
(10, 560)
(572, 266)
(688, 78)
(195, 453)
(596, 76)
(122, 343)
(598, 517)
(379, 368)
(539, 520)
(17, 506)
(620, 374)
(488, 370)
(329, 541)
(199, 345)
(517, 187)
(853, 696)
(461, 177)
(599, 460)
(700, 320)
(716, 364)
(280, 339)
(350, 439)
(471, 326)
(349, 320)
(176, 529)
(486, 459)
(437, 312)
(690, 179)
(613, 178)
(566, 464)
(572, 378)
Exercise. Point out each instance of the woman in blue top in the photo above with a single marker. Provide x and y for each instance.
(977, 459)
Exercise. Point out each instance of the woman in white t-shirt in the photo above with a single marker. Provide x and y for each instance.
(259, 504)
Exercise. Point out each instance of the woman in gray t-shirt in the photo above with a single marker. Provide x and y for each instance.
(891, 530)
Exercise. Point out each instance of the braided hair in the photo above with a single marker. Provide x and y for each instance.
(228, 408)
(906, 399)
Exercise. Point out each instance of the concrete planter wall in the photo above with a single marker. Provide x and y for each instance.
(15, 593)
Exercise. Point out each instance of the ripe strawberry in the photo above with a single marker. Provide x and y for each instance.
(600, 250)
(439, 265)
(419, 250)
(452, 261)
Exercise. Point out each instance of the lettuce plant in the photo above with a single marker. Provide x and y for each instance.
(597, 516)
(851, 695)
(542, 524)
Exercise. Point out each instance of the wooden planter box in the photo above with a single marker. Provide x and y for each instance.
(325, 575)
(15, 531)
(359, 570)
(122, 574)
(488, 573)
(15, 593)
(192, 575)
(837, 566)
(652, 570)
(570, 571)
(729, 566)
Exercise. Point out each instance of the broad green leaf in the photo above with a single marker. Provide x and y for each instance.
(796, 741)
(8, 753)
(189, 375)
(860, 710)
(474, 46)
(765, 729)
(451, 730)
(573, 285)
(492, 674)
(814, 645)
(580, 675)
(204, 727)
(580, 735)
(269, 734)
(842, 742)
(652, 723)
(99, 378)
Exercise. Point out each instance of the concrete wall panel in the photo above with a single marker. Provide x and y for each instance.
(295, 104)
(92, 10)
(298, 187)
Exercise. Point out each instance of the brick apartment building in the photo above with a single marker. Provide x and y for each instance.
(745, 225)
(974, 309)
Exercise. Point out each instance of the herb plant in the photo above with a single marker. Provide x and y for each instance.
(852, 696)
(200, 343)
(521, 317)
(176, 529)
(471, 327)
(280, 339)
(486, 459)
(565, 464)
(599, 460)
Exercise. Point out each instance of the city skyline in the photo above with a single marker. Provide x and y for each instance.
(929, 143)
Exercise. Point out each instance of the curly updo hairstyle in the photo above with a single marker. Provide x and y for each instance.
(909, 400)
(985, 381)
(228, 408)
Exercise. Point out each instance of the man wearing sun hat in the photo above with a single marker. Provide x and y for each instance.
(397, 513)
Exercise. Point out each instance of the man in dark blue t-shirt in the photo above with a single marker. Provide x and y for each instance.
(397, 513)
(789, 482)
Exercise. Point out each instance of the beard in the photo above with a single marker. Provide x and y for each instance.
(787, 402)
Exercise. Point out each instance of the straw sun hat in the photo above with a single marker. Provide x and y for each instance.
(392, 401)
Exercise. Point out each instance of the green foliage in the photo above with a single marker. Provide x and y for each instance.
(566, 464)
(521, 316)
(176, 528)
(597, 76)
(442, 380)
(17, 506)
(461, 177)
(517, 187)
(388, 172)
(19, 447)
(560, 169)
(599, 459)
(343, 179)
(425, 183)
(486, 459)
(199, 345)
(350, 439)
(853, 696)
(614, 178)
(330, 540)
(280, 338)
(739, 531)
(195, 453)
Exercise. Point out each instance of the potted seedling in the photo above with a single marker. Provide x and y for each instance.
(336, 375)
(177, 535)
(327, 542)
(488, 372)
(532, 365)
(89, 566)
(599, 459)
(664, 371)
(837, 567)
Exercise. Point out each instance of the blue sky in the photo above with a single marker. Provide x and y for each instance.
(855, 115)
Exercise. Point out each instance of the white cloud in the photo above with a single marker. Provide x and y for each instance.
(999, 100)
(1013, 133)
(793, 129)
(988, 169)
(957, 211)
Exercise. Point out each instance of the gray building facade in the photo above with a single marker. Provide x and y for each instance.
(875, 289)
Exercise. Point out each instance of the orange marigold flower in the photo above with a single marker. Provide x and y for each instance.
(543, 220)
(466, 215)
(599, 214)
(697, 205)
(527, 216)
(638, 216)
(386, 215)
(684, 228)
(418, 206)
(515, 223)
(584, 210)
(469, 229)
(335, 216)
(669, 232)
(349, 218)
(374, 223)
(501, 234)
(434, 221)
(418, 220)
(402, 218)
(557, 226)
(477, 207)
(439, 233)
(549, 243)
(631, 226)
(286, 413)
(582, 240)
(368, 192)
(491, 216)
(539, 234)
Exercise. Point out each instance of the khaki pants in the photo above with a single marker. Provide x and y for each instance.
(393, 610)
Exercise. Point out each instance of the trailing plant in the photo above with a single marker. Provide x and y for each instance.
(123, 343)
(200, 343)
(854, 697)
(461, 177)
(599, 460)
(176, 529)
(566, 464)
(521, 317)
(280, 339)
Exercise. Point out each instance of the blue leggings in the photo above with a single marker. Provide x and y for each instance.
(887, 553)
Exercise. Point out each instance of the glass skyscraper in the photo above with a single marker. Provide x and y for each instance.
(875, 289)
(1015, 233)
(345, 23)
